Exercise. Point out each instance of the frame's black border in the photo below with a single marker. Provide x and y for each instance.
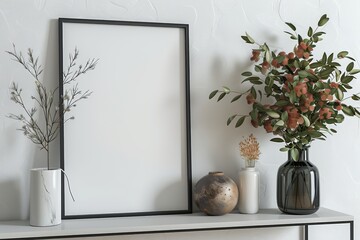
(185, 27)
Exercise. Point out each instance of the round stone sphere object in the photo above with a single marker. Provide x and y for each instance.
(216, 194)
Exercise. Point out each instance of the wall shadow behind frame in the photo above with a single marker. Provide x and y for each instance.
(128, 151)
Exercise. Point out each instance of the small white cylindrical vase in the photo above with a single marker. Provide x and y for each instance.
(248, 183)
(45, 197)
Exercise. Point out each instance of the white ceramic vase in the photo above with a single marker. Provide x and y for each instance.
(45, 197)
(248, 183)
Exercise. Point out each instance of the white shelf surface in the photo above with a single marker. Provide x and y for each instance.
(167, 223)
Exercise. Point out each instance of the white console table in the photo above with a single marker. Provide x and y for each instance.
(266, 218)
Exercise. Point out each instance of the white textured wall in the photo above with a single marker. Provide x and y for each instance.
(218, 55)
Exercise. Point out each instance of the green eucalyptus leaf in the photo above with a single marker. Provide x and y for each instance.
(299, 145)
(296, 63)
(300, 39)
(213, 93)
(357, 113)
(251, 40)
(335, 64)
(312, 77)
(230, 119)
(253, 78)
(304, 141)
(271, 82)
(345, 85)
(253, 92)
(240, 121)
(268, 90)
(277, 140)
(284, 149)
(350, 66)
(337, 74)
(236, 98)
(281, 103)
(306, 120)
(254, 115)
(354, 71)
(310, 32)
(260, 94)
(330, 58)
(221, 96)
(292, 97)
(347, 79)
(275, 72)
(246, 39)
(318, 34)
(315, 134)
(226, 90)
(326, 72)
(291, 26)
(294, 154)
(289, 69)
(324, 58)
(355, 97)
(331, 121)
(303, 74)
(280, 123)
(339, 118)
(316, 64)
(280, 58)
(347, 110)
(284, 116)
(273, 114)
(339, 94)
(323, 20)
(304, 64)
(267, 56)
(256, 82)
(333, 130)
(292, 36)
(247, 74)
(342, 54)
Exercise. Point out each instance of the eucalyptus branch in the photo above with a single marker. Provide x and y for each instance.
(29, 129)
(70, 76)
(16, 97)
(18, 57)
(72, 59)
(44, 98)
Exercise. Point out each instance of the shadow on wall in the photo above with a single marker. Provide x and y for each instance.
(51, 61)
(214, 115)
(10, 200)
(50, 79)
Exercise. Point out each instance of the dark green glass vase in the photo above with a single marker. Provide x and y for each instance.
(298, 189)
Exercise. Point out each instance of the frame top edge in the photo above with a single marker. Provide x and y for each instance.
(122, 22)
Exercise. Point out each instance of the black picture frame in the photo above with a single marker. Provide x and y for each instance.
(109, 185)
